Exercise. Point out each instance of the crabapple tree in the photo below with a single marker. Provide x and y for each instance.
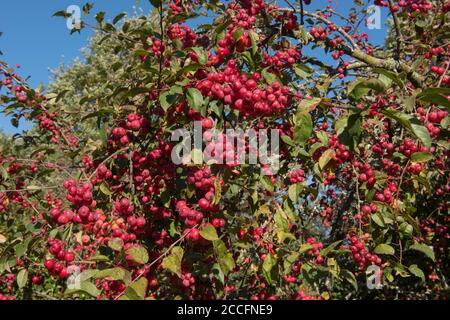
(363, 177)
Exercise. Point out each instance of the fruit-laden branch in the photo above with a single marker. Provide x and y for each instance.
(353, 51)
(399, 39)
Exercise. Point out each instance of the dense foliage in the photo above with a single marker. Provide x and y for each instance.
(93, 207)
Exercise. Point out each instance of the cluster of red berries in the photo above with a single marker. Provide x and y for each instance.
(408, 147)
(360, 254)
(415, 168)
(387, 194)
(218, 223)
(124, 207)
(47, 123)
(342, 154)
(319, 33)
(366, 211)
(191, 217)
(157, 47)
(79, 195)
(184, 33)
(434, 52)
(251, 8)
(59, 268)
(433, 118)
(288, 20)
(180, 6)
(202, 179)
(120, 134)
(390, 167)
(297, 176)
(366, 174)
(221, 151)
(417, 6)
(242, 93)
(135, 122)
(102, 174)
(87, 162)
(438, 70)
(383, 147)
(187, 279)
(6, 297)
(315, 251)
(283, 58)
(7, 280)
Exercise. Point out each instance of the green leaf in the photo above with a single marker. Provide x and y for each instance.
(116, 244)
(422, 133)
(85, 287)
(155, 3)
(410, 123)
(305, 247)
(361, 88)
(267, 183)
(280, 220)
(62, 13)
(303, 127)
(350, 135)
(99, 258)
(238, 33)
(269, 77)
(294, 191)
(427, 250)
(87, 7)
(307, 105)
(105, 189)
(209, 233)
(436, 96)
(136, 291)
(350, 278)
(286, 139)
(267, 268)
(195, 99)
(415, 270)
(324, 252)
(119, 17)
(224, 258)
(254, 38)
(384, 248)
(378, 220)
(323, 137)
(303, 71)
(406, 229)
(421, 157)
(217, 271)
(201, 55)
(22, 278)
(183, 17)
(138, 254)
(117, 274)
(169, 98)
(88, 274)
(100, 16)
(325, 158)
(391, 75)
(173, 261)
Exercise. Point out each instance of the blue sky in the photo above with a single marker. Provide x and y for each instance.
(39, 42)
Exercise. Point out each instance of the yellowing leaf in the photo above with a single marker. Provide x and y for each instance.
(173, 261)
